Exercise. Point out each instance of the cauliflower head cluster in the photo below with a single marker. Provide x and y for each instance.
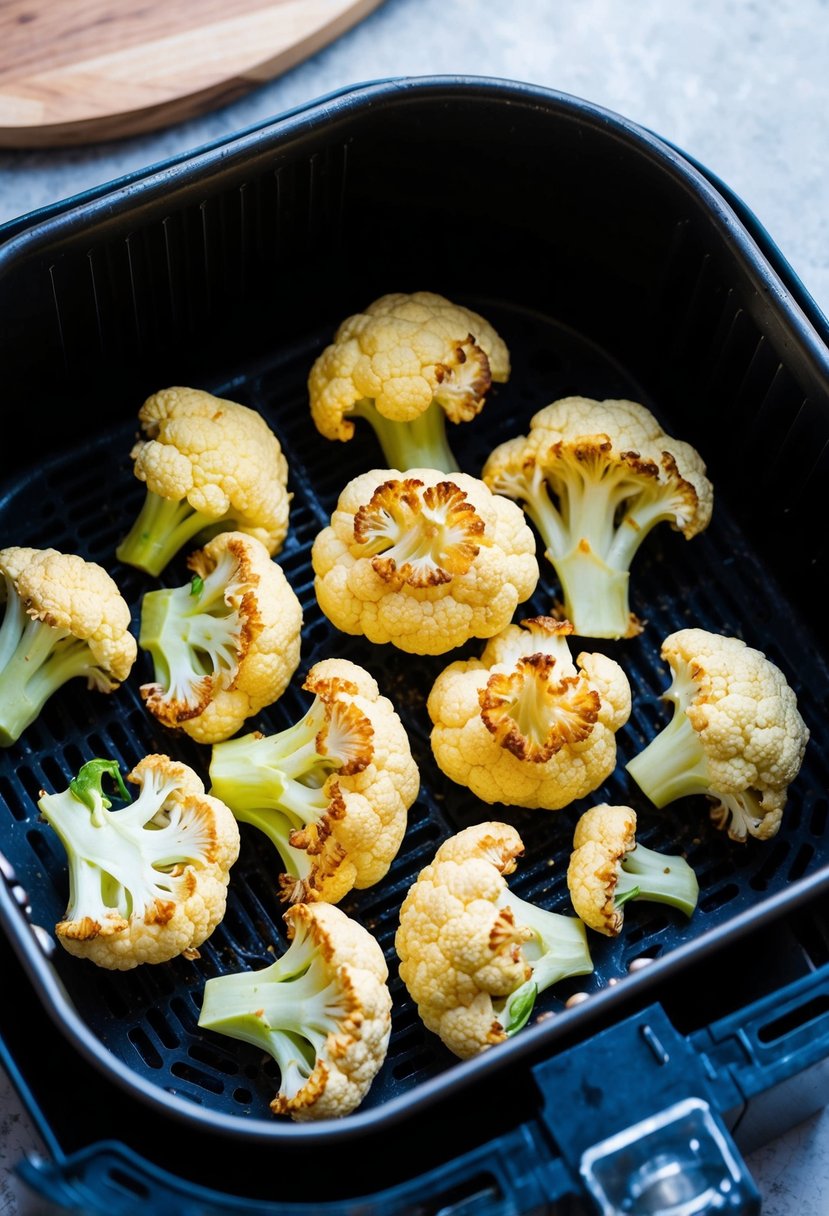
(423, 561)
(405, 364)
(208, 464)
(526, 724)
(224, 645)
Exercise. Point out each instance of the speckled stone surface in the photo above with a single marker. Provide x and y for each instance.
(741, 85)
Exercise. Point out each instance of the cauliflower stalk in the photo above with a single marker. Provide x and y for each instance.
(473, 955)
(595, 477)
(322, 1011)
(332, 791)
(736, 734)
(525, 725)
(404, 365)
(608, 867)
(209, 465)
(63, 617)
(224, 645)
(148, 881)
(422, 561)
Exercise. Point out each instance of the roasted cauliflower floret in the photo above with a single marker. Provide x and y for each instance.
(736, 734)
(63, 617)
(422, 561)
(524, 724)
(404, 365)
(331, 792)
(148, 881)
(322, 1011)
(608, 867)
(224, 645)
(595, 477)
(474, 956)
(209, 465)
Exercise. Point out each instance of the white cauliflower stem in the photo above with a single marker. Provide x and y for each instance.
(473, 955)
(148, 881)
(608, 867)
(525, 724)
(224, 645)
(331, 792)
(595, 477)
(736, 734)
(209, 465)
(404, 365)
(63, 617)
(423, 561)
(322, 1011)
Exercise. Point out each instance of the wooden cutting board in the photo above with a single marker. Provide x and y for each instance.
(80, 71)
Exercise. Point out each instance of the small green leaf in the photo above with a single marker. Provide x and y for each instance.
(624, 896)
(519, 1007)
(90, 778)
(196, 586)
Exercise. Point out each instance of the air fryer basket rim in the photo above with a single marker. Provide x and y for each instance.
(750, 243)
(407, 1105)
(189, 173)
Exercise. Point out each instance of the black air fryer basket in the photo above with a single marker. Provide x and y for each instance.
(613, 267)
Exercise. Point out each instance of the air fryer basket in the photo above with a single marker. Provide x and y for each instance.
(612, 268)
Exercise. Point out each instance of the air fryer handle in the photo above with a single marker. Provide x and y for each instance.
(632, 1115)
(513, 1175)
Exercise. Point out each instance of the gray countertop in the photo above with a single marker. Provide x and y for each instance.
(741, 85)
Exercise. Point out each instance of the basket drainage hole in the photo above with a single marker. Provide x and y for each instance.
(243, 1096)
(196, 1077)
(716, 899)
(145, 1048)
(415, 1064)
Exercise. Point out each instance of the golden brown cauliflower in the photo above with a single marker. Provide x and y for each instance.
(404, 365)
(525, 725)
(224, 645)
(148, 881)
(473, 955)
(608, 867)
(423, 561)
(209, 465)
(736, 734)
(332, 791)
(63, 617)
(595, 477)
(322, 1011)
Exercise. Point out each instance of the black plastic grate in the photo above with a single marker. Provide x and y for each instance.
(85, 501)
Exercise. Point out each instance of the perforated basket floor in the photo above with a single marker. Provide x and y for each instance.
(85, 501)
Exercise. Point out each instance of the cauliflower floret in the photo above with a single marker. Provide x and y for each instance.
(736, 734)
(224, 645)
(63, 617)
(332, 791)
(473, 956)
(422, 561)
(209, 465)
(525, 725)
(595, 477)
(147, 882)
(608, 867)
(404, 365)
(322, 1011)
